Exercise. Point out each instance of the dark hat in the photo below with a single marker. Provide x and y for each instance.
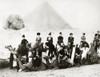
(38, 33)
(23, 35)
(83, 33)
(60, 32)
(49, 33)
(96, 34)
(71, 33)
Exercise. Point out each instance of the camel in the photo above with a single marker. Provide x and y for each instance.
(13, 55)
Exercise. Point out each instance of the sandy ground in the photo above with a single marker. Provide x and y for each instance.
(83, 71)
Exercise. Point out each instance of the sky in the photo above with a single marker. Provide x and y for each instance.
(82, 14)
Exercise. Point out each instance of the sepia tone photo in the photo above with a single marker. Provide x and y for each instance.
(49, 38)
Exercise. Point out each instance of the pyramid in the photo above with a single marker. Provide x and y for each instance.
(45, 18)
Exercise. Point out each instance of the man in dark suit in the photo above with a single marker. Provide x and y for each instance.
(60, 45)
(50, 38)
(71, 38)
(23, 49)
(71, 42)
(60, 39)
(24, 41)
(49, 43)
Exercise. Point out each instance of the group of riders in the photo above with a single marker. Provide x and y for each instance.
(42, 56)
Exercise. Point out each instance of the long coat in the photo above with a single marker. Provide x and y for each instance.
(50, 39)
(60, 40)
(71, 40)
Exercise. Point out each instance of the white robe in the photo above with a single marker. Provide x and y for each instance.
(85, 51)
(44, 54)
(98, 51)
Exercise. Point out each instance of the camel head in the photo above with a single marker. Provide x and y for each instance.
(10, 48)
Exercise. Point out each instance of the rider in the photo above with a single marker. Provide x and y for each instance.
(38, 43)
(24, 41)
(37, 54)
(22, 50)
(71, 42)
(50, 45)
(60, 39)
(97, 37)
(96, 41)
(60, 46)
(83, 38)
(71, 39)
(60, 43)
(50, 38)
(38, 38)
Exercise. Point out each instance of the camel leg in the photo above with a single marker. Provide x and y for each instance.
(20, 64)
(47, 62)
(11, 60)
